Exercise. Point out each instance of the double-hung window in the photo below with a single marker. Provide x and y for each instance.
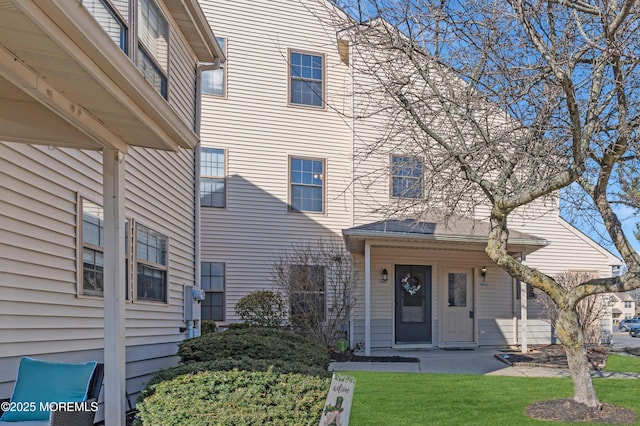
(151, 264)
(306, 79)
(212, 280)
(92, 249)
(307, 299)
(307, 184)
(406, 177)
(214, 82)
(113, 16)
(213, 179)
(153, 44)
(151, 38)
(91, 226)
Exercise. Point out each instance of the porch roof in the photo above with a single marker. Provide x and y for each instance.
(457, 233)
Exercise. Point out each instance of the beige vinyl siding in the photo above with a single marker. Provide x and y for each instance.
(40, 313)
(260, 132)
(182, 78)
(494, 308)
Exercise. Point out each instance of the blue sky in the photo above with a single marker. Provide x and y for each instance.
(628, 216)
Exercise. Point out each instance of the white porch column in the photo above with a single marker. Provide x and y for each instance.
(523, 313)
(367, 299)
(113, 173)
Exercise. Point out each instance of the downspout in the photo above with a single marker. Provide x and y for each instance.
(193, 330)
(351, 89)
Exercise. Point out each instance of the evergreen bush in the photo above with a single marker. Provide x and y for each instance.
(235, 398)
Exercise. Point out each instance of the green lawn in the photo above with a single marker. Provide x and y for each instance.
(622, 363)
(455, 399)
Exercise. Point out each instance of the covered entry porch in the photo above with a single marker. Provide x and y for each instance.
(431, 285)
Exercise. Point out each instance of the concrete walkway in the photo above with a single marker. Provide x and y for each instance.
(476, 361)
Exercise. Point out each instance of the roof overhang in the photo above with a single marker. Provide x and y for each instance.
(461, 234)
(64, 82)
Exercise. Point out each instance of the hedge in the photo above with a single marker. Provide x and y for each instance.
(255, 343)
(235, 398)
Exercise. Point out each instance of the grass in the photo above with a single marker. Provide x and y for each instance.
(444, 399)
(622, 363)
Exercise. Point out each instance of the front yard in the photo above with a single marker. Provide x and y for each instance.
(446, 399)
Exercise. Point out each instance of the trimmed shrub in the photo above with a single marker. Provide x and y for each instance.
(235, 398)
(255, 343)
(262, 308)
(237, 326)
(241, 363)
(208, 326)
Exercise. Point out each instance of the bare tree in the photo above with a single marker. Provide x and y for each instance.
(590, 310)
(509, 102)
(318, 280)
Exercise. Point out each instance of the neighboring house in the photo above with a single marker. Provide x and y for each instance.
(278, 167)
(98, 118)
(623, 306)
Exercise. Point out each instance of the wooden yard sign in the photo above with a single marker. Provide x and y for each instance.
(337, 408)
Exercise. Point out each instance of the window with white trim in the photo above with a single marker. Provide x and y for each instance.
(307, 184)
(214, 82)
(306, 79)
(213, 179)
(212, 281)
(151, 264)
(406, 177)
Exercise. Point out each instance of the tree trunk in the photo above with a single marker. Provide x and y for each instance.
(570, 334)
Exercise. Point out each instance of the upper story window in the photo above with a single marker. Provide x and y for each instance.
(152, 36)
(306, 79)
(112, 15)
(213, 181)
(628, 304)
(307, 184)
(214, 82)
(151, 264)
(153, 44)
(406, 177)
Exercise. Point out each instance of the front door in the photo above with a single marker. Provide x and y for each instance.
(457, 306)
(413, 304)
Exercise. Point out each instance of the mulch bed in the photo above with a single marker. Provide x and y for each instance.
(349, 356)
(567, 410)
(552, 356)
